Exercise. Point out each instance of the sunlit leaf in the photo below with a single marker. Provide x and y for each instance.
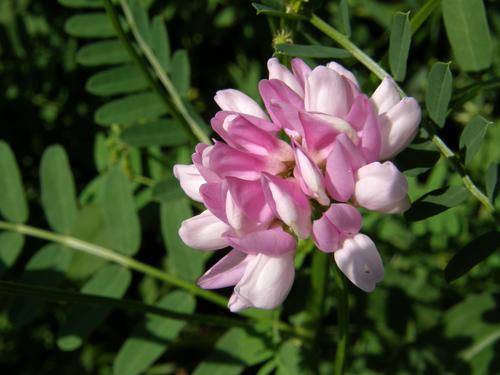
(301, 50)
(90, 25)
(106, 52)
(81, 321)
(234, 351)
(120, 80)
(472, 137)
(492, 185)
(168, 189)
(58, 189)
(472, 254)
(467, 29)
(161, 42)
(435, 202)
(11, 245)
(13, 204)
(141, 19)
(119, 212)
(180, 72)
(399, 45)
(182, 260)
(131, 109)
(164, 132)
(439, 92)
(150, 339)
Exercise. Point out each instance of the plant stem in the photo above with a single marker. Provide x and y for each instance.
(343, 321)
(162, 76)
(115, 257)
(381, 73)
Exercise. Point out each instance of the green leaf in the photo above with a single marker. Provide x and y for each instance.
(120, 80)
(45, 268)
(472, 137)
(289, 359)
(131, 109)
(163, 132)
(235, 350)
(90, 227)
(108, 52)
(11, 245)
(101, 152)
(161, 42)
(467, 29)
(182, 260)
(168, 189)
(111, 281)
(150, 339)
(141, 19)
(180, 72)
(399, 45)
(81, 3)
(472, 254)
(119, 212)
(301, 50)
(435, 202)
(345, 23)
(492, 185)
(270, 11)
(90, 25)
(12, 200)
(439, 92)
(58, 190)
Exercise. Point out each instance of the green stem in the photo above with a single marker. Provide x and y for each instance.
(162, 76)
(113, 256)
(19, 290)
(381, 73)
(343, 321)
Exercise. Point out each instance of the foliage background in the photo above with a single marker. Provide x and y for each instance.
(414, 323)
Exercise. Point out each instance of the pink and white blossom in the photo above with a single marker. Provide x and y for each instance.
(298, 169)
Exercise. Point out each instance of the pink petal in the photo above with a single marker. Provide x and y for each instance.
(326, 92)
(200, 160)
(319, 136)
(345, 218)
(274, 91)
(227, 161)
(399, 126)
(371, 138)
(214, 198)
(265, 284)
(226, 272)
(343, 72)
(249, 196)
(360, 261)
(236, 101)
(274, 242)
(300, 70)
(381, 187)
(204, 232)
(310, 178)
(190, 180)
(289, 203)
(325, 235)
(339, 177)
(279, 72)
(386, 95)
(353, 153)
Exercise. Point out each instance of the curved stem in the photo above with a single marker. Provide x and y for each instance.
(162, 76)
(381, 73)
(343, 321)
(113, 256)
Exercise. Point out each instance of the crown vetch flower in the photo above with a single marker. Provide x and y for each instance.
(262, 192)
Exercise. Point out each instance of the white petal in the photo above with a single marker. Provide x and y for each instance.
(190, 179)
(343, 72)
(278, 71)
(204, 232)
(360, 261)
(236, 101)
(386, 95)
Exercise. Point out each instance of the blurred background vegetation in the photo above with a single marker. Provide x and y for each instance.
(414, 323)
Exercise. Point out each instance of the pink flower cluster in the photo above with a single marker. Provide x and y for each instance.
(297, 171)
